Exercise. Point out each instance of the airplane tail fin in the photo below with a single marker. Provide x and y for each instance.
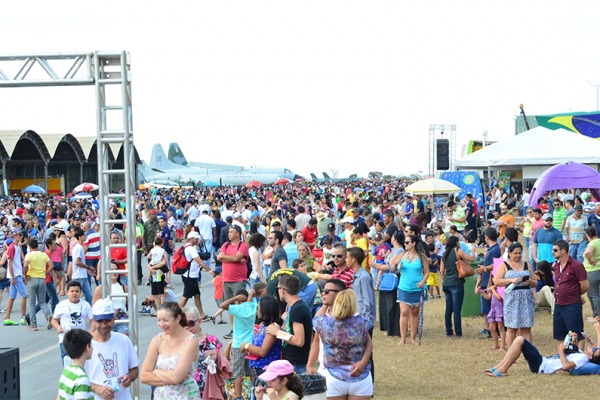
(313, 176)
(326, 176)
(159, 159)
(176, 155)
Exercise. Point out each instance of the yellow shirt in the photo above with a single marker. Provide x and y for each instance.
(37, 264)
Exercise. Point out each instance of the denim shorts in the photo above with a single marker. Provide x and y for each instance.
(19, 287)
(57, 266)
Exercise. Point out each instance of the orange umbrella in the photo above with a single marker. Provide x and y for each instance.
(282, 181)
(253, 184)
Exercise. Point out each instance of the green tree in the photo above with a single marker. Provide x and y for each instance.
(375, 175)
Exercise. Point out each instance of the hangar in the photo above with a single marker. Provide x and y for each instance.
(43, 157)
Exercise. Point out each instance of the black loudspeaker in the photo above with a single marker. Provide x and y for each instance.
(443, 154)
(10, 381)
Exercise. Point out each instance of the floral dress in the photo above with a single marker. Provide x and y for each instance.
(186, 390)
(209, 343)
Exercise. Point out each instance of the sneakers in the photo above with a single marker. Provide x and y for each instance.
(229, 336)
(26, 320)
(208, 318)
(145, 310)
(10, 322)
(49, 319)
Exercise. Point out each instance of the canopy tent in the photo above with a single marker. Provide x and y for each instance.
(432, 186)
(569, 175)
(537, 146)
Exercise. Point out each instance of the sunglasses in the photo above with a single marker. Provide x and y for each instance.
(407, 242)
(326, 291)
(555, 250)
(192, 322)
(337, 255)
(280, 287)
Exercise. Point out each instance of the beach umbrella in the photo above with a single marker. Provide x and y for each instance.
(34, 189)
(253, 184)
(81, 196)
(85, 187)
(282, 181)
(432, 186)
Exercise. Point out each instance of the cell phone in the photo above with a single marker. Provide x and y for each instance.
(525, 278)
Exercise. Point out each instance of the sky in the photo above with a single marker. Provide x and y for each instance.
(314, 85)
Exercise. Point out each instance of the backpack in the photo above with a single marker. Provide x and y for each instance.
(248, 262)
(179, 264)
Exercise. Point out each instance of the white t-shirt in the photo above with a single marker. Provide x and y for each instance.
(205, 225)
(190, 253)
(72, 315)
(111, 360)
(552, 364)
(156, 255)
(16, 263)
(78, 272)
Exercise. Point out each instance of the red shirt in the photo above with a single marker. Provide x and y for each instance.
(347, 276)
(119, 254)
(567, 289)
(310, 236)
(235, 272)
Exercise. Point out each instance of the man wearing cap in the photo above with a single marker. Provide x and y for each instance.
(190, 278)
(323, 222)
(331, 234)
(575, 227)
(544, 239)
(237, 221)
(114, 363)
(594, 218)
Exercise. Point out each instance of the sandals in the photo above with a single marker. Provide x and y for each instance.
(208, 318)
(493, 373)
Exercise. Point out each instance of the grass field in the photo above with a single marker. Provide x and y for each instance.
(443, 368)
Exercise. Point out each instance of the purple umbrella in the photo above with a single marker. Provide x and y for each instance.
(569, 175)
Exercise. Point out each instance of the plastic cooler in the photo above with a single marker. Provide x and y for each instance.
(471, 304)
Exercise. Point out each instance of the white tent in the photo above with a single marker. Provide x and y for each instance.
(538, 146)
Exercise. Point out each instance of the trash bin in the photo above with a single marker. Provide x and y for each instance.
(471, 304)
(10, 380)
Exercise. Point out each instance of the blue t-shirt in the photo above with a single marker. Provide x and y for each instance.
(165, 235)
(435, 263)
(244, 316)
(493, 252)
(545, 238)
(412, 273)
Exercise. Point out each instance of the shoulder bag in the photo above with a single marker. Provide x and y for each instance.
(463, 268)
(389, 281)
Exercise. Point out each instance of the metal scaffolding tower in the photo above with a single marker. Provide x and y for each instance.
(437, 131)
(110, 73)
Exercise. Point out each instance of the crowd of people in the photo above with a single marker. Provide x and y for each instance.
(297, 269)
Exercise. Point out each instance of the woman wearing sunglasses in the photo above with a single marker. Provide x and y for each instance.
(414, 268)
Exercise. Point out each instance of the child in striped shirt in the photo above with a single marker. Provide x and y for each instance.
(74, 383)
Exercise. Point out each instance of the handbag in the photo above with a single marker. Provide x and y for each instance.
(463, 268)
(2, 273)
(204, 254)
(388, 281)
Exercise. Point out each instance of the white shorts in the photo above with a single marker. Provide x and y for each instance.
(336, 387)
